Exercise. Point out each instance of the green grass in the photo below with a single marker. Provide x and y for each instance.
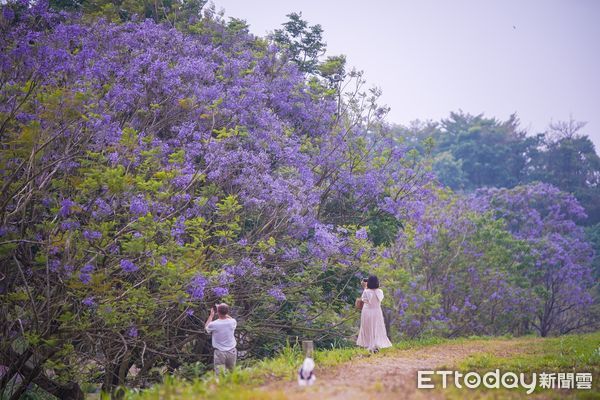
(238, 384)
(557, 354)
(570, 353)
(243, 382)
(562, 354)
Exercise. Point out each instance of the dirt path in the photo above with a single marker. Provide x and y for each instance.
(391, 376)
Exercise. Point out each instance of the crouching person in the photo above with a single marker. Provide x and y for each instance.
(223, 340)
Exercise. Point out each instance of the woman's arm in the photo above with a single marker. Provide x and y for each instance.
(366, 296)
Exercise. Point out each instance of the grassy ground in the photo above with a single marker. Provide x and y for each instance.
(242, 383)
(573, 353)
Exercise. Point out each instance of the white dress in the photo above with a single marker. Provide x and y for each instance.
(372, 334)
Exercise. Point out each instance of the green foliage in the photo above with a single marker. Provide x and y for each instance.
(175, 12)
(303, 42)
(450, 170)
(333, 70)
(384, 228)
(570, 162)
(593, 236)
(489, 151)
(471, 152)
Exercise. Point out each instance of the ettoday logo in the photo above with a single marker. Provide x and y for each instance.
(507, 380)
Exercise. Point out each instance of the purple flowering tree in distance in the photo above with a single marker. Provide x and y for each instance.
(147, 174)
(454, 271)
(560, 271)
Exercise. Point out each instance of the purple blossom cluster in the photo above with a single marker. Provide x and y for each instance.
(277, 294)
(205, 114)
(66, 207)
(220, 291)
(85, 274)
(128, 266)
(197, 286)
(326, 242)
(89, 302)
(92, 235)
(361, 234)
(138, 206)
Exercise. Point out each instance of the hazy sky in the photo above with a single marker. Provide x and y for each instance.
(538, 58)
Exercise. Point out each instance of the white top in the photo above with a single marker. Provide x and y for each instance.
(370, 296)
(222, 333)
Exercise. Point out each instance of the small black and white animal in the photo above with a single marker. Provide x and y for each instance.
(306, 375)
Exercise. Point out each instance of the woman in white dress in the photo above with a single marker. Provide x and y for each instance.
(372, 334)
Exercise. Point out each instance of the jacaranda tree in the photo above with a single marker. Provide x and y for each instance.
(560, 272)
(147, 174)
(456, 271)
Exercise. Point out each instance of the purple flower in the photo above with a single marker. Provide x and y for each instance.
(196, 287)
(291, 254)
(360, 252)
(85, 274)
(128, 266)
(89, 302)
(7, 13)
(66, 207)
(113, 157)
(220, 291)
(132, 332)
(69, 225)
(346, 250)
(54, 265)
(361, 234)
(102, 209)
(113, 249)
(245, 266)
(138, 206)
(92, 235)
(325, 242)
(276, 293)
(178, 230)
(225, 277)
(85, 278)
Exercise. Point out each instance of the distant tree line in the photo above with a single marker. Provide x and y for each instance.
(474, 151)
(470, 152)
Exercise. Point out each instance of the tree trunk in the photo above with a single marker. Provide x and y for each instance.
(32, 373)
